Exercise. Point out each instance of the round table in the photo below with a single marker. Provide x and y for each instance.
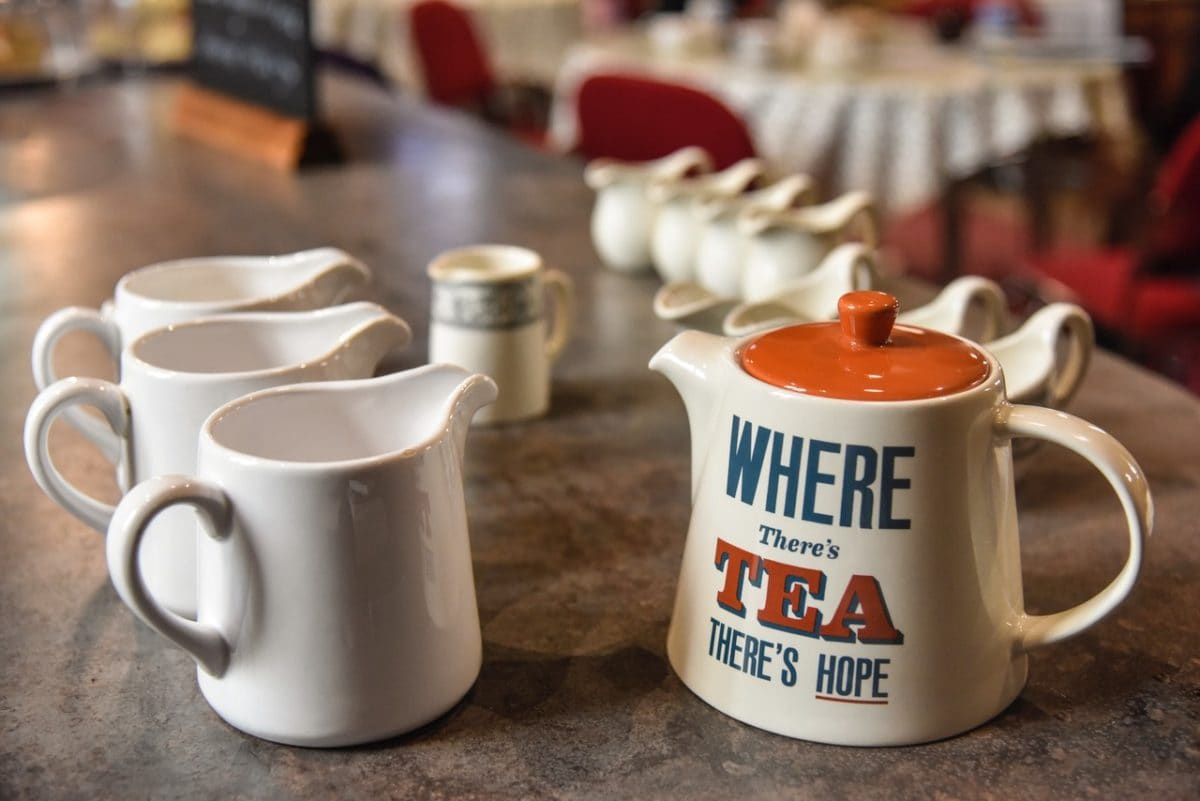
(902, 128)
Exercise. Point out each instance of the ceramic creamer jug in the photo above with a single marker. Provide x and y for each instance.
(721, 251)
(813, 296)
(172, 378)
(950, 311)
(623, 217)
(851, 573)
(336, 595)
(677, 227)
(184, 289)
(788, 243)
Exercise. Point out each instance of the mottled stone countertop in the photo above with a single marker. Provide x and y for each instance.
(577, 520)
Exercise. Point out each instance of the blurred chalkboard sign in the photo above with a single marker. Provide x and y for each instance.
(256, 50)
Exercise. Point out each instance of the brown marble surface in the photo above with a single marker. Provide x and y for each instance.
(577, 520)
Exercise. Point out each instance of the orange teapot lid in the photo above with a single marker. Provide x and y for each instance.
(865, 356)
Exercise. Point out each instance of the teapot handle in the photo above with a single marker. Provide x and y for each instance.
(63, 321)
(1128, 482)
(134, 513)
(563, 298)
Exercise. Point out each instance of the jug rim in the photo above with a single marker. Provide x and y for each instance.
(150, 368)
(127, 284)
(438, 433)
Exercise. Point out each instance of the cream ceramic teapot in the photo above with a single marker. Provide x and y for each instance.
(785, 244)
(623, 217)
(851, 573)
(677, 227)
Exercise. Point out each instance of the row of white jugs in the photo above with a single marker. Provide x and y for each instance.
(694, 225)
(770, 256)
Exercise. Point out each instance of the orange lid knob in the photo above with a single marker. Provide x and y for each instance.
(867, 317)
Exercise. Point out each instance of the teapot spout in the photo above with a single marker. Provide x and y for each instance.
(694, 362)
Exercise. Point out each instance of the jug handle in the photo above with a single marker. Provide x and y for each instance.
(958, 297)
(562, 297)
(64, 321)
(62, 396)
(133, 515)
(1073, 323)
(1128, 482)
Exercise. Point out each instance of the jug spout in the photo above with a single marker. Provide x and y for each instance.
(321, 277)
(473, 392)
(370, 332)
(602, 173)
(694, 362)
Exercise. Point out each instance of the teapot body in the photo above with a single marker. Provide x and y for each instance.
(851, 573)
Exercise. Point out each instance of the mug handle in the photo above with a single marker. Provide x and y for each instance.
(60, 397)
(64, 321)
(563, 299)
(1128, 482)
(133, 514)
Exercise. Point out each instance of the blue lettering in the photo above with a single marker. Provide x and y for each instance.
(789, 471)
(860, 485)
(813, 476)
(745, 459)
(889, 483)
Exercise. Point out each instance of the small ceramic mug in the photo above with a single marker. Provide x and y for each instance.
(336, 597)
(488, 315)
(171, 380)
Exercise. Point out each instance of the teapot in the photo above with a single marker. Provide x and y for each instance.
(677, 227)
(184, 289)
(787, 243)
(722, 247)
(851, 573)
(623, 217)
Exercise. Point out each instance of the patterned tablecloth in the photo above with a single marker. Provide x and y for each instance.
(527, 40)
(921, 114)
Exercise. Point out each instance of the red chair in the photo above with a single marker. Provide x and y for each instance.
(453, 63)
(457, 72)
(638, 119)
(1143, 293)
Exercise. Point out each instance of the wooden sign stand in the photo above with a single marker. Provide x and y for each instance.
(240, 128)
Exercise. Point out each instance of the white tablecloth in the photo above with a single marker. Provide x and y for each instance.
(526, 40)
(899, 129)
